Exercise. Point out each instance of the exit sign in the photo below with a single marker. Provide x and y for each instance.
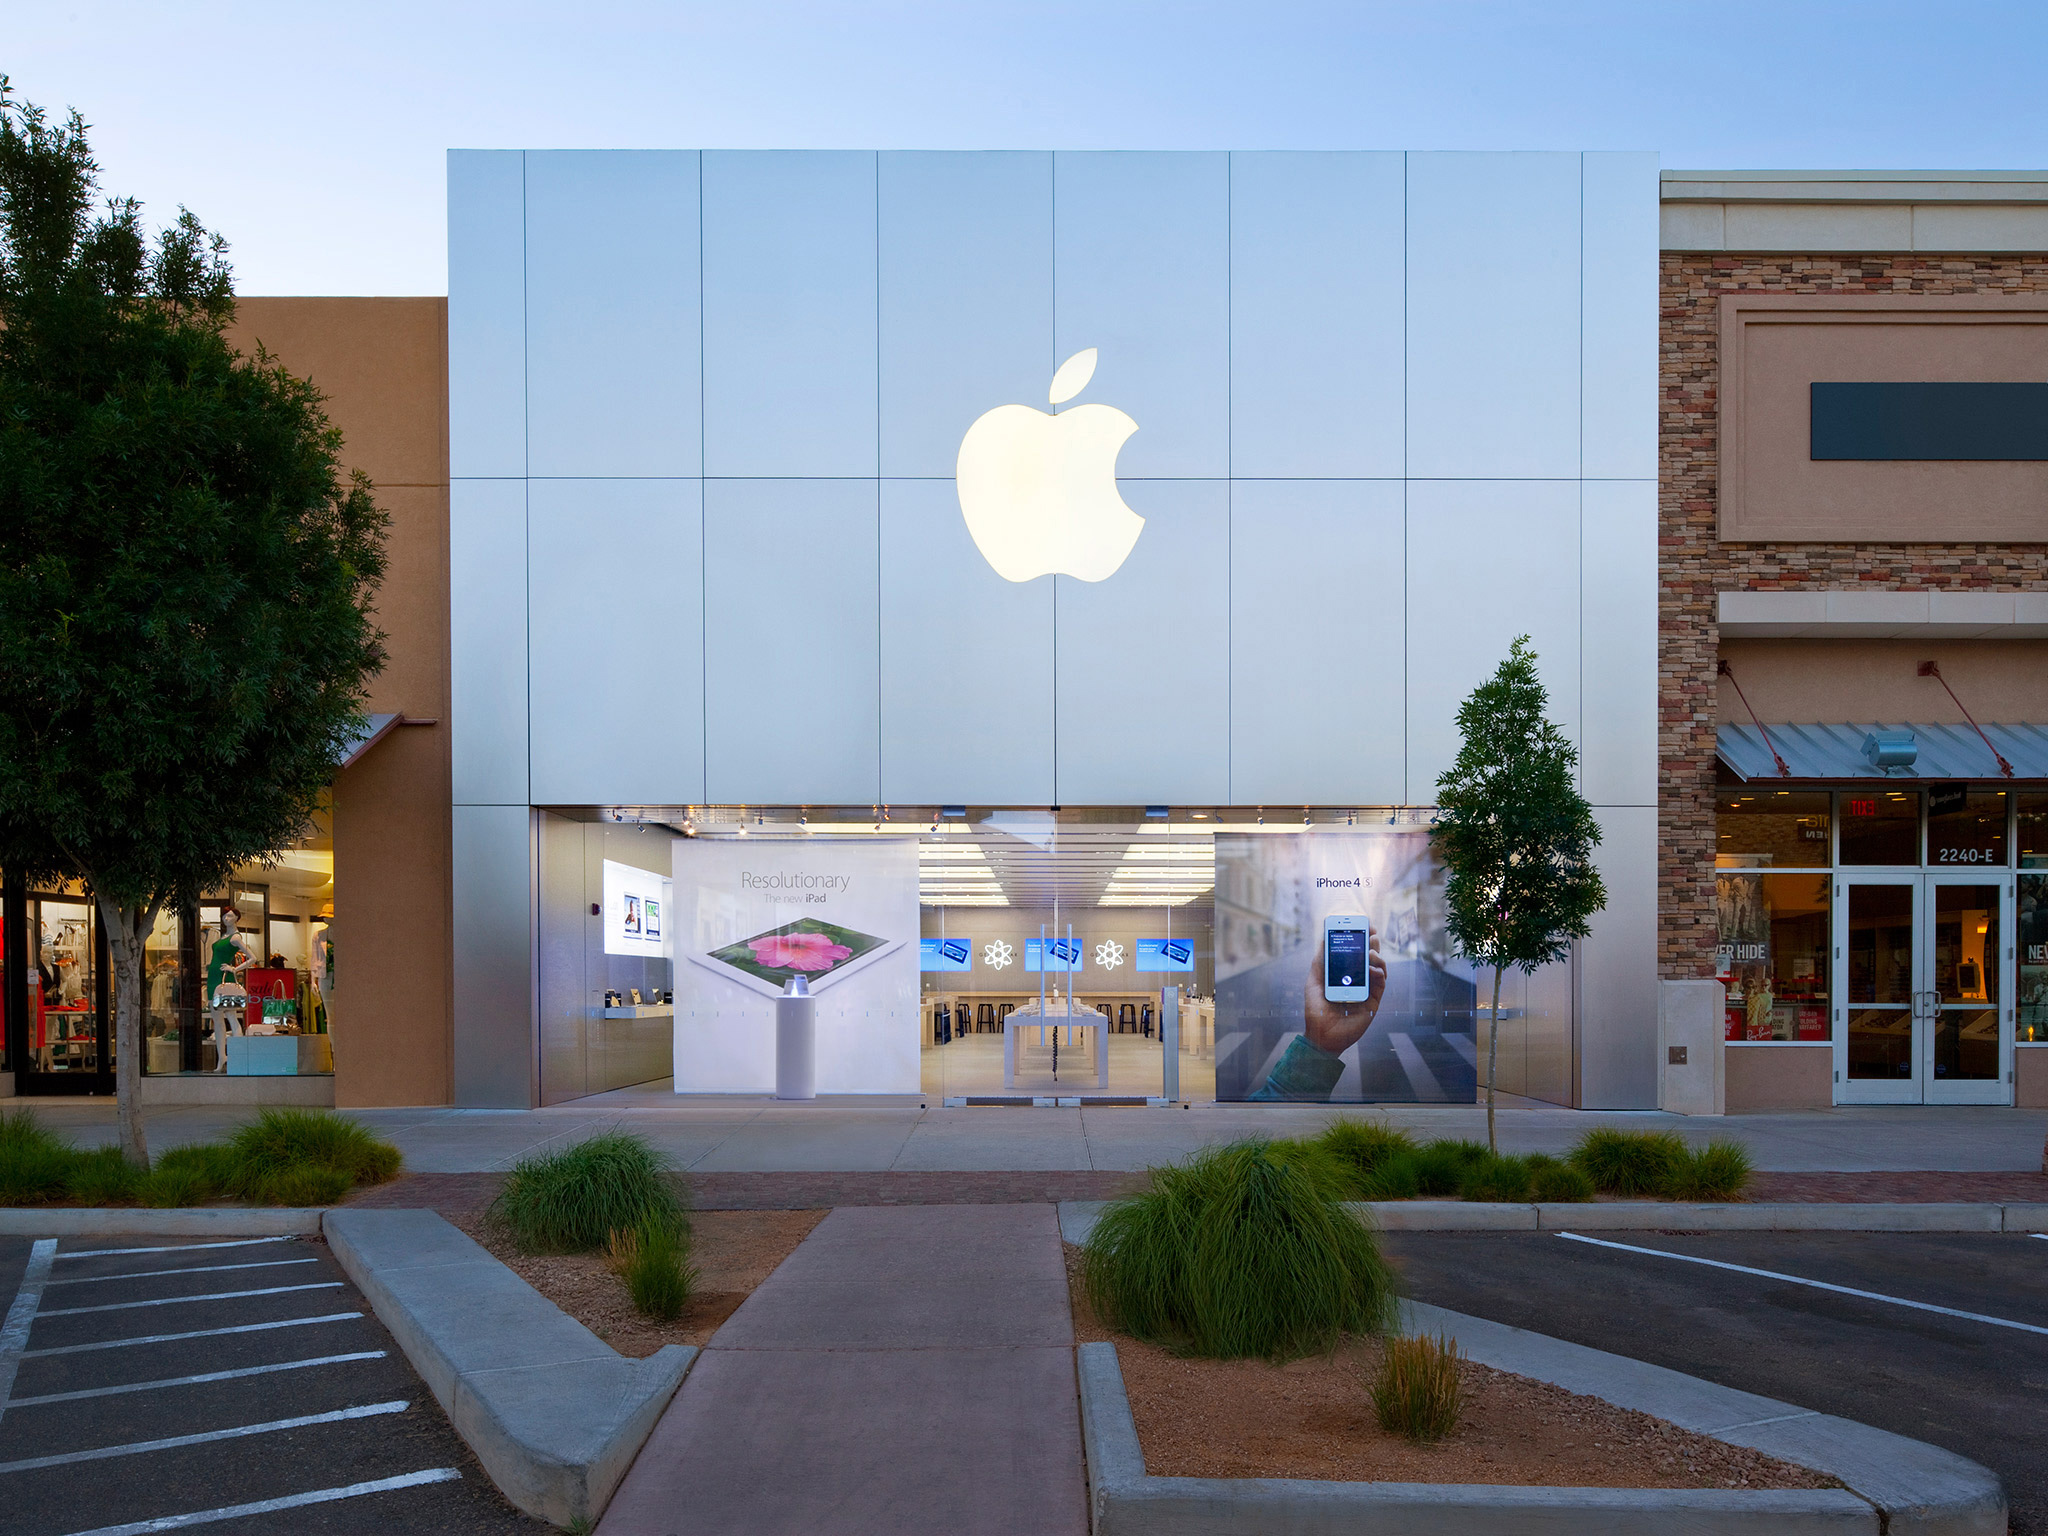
(1860, 807)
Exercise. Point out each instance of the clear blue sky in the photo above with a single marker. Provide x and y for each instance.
(312, 135)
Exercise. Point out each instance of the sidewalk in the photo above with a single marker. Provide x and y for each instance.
(755, 1136)
(905, 1370)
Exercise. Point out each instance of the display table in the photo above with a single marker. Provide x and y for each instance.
(1058, 1015)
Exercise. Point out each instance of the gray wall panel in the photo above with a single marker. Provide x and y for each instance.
(1142, 273)
(1317, 642)
(789, 313)
(612, 337)
(1618, 969)
(1619, 284)
(618, 641)
(792, 668)
(493, 942)
(487, 641)
(1141, 653)
(562, 911)
(486, 313)
(1316, 324)
(1493, 316)
(966, 662)
(966, 279)
(1620, 627)
(1487, 561)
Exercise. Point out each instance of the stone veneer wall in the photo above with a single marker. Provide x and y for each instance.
(1694, 565)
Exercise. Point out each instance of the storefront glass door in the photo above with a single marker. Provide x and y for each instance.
(1924, 1013)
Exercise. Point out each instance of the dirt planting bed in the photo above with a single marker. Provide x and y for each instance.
(1313, 1418)
(733, 1251)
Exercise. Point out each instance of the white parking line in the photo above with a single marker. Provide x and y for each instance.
(1818, 1285)
(196, 1269)
(21, 1315)
(271, 1506)
(171, 1301)
(239, 1242)
(193, 1381)
(141, 1447)
(196, 1333)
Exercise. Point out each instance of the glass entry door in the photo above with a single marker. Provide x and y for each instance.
(1924, 1012)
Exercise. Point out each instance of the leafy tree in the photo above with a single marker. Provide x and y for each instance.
(1515, 835)
(185, 573)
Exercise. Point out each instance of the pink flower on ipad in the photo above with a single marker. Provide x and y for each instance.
(797, 952)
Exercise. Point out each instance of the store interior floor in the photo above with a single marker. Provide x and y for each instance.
(971, 1066)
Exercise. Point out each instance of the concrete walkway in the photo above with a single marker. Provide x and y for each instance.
(753, 1136)
(905, 1370)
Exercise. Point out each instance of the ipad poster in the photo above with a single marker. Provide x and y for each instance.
(1281, 1034)
(745, 916)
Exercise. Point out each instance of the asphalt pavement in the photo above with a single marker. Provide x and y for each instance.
(238, 1387)
(1965, 1367)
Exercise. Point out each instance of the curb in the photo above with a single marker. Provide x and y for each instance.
(1897, 1486)
(1077, 1217)
(150, 1221)
(555, 1415)
(1124, 1501)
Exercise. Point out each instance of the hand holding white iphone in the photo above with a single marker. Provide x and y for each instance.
(1347, 958)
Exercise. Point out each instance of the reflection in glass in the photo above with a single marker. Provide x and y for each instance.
(1772, 829)
(1966, 827)
(1772, 955)
(2033, 958)
(2033, 831)
(1880, 826)
(1879, 966)
(1966, 954)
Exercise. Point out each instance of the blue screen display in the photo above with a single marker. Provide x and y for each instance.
(945, 954)
(1066, 955)
(1166, 954)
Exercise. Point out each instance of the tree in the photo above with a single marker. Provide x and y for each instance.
(185, 573)
(1515, 835)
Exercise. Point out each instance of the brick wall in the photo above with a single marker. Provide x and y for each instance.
(1694, 565)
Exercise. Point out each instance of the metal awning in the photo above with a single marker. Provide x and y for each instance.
(1834, 752)
(374, 731)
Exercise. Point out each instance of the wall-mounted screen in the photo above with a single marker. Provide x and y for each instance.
(1066, 955)
(1166, 954)
(945, 954)
(636, 910)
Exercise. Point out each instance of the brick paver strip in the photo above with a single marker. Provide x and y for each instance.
(456, 1192)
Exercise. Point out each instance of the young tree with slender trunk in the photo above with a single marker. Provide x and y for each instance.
(185, 572)
(1516, 837)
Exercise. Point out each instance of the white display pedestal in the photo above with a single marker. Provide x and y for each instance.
(1169, 1043)
(796, 1042)
(1079, 1018)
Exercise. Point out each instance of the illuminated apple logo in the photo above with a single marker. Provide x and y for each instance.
(1038, 489)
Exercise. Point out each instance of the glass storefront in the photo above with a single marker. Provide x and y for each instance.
(1007, 953)
(1890, 941)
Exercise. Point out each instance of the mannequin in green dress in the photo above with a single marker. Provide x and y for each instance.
(230, 955)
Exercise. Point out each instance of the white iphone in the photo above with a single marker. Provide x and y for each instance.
(1347, 958)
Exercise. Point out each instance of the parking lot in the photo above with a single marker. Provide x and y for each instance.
(238, 1386)
(1947, 1341)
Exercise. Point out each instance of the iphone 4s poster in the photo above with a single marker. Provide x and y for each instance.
(1335, 979)
(745, 916)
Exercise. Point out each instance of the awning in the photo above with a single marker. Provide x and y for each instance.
(374, 731)
(1836, 752)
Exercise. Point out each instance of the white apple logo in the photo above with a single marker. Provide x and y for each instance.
(1038, 490)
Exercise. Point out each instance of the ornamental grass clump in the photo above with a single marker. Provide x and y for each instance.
(1416, 1393)
(652, 1259)
(1554, 1183)
(571, 1201)
(305, 1157)
(35, 1163)
(1493, 1177)
(1237, 1252)
(1718, 1171)
(1629, 1162)
(1368, 1149)
(1440, 1166)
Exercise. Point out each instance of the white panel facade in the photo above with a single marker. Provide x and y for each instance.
(1141, 272)
(1138, 653)
(1493, 316)
(1618, 968)
(617, 593)
(791, 646)
(486, 313)
(1487, 560)
(611, 314)
(1618, 282)
(789, 313)
(1619, 746)
(1317, 706)
(487, 641)
(1317, 333)
(966, 298)
(966, 662)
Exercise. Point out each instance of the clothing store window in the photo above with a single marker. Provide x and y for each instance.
(65, 1033)
(1773, 829)
(1880, 826)
(2032, 825)
(1772, 954)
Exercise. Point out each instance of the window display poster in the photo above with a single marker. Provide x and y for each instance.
(747, 915)
(635, 907)
(1279, 1036)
